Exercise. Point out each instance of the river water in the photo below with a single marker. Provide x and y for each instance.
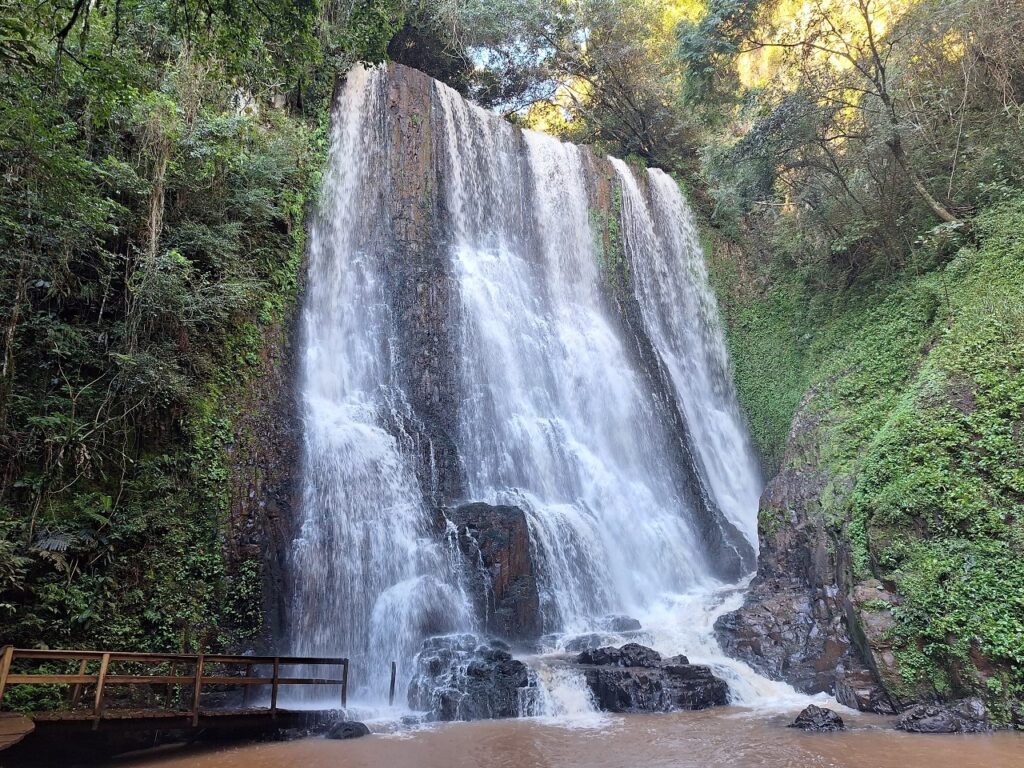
(720, 738)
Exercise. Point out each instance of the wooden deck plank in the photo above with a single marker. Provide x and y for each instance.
(53, 655)
(13, 728)
(169, 675)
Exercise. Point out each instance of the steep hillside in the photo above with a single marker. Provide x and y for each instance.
(894, 524)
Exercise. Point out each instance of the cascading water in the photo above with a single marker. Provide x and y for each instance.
(681, 317)
(553, 406)
(554, 414)
(369, 580)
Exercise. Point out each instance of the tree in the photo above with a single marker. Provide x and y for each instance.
(842, 55)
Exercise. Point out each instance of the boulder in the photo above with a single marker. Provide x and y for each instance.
(498, 567)
(655, 689)
(966, 716)
(587, 642)
(634, 678)
(629, 655)
(593, 640)
(462, 677)
(818, 720)
(347, 729)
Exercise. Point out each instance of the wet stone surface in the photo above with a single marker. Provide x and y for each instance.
(818, 720)
(966, 716)
(347, 729)
(635, 678)
(464, 677)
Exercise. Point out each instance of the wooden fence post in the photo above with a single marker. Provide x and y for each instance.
(76, 692)
(344, 683)
(5, 667)
(169, 696)
(273, 688)
(97, 710)
(198, 690)
(391, 692)
(246, 688)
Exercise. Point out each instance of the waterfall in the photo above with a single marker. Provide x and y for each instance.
(607, 417)
(681, 316)
(369, 581)
(555, 417)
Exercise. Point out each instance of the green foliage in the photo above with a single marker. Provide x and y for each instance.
(941, 490)
(708, 48)
(769, 353)
(607, 231)
(917, 390)
(151, 216)
(840, 150)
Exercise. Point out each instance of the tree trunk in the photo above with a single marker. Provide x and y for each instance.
(936, 207)
(7, 361)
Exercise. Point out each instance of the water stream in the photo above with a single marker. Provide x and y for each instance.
(722, 738)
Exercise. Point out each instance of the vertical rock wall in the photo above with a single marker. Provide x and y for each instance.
(799, 622)
(421, 282)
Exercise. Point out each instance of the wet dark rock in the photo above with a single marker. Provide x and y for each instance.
(655, 689)
(587, 642)
(634, 678)
(966, 716)
(818, 720)
(458, 677)
(594, 640)
(860, 690)
(421, 285)
(629, 655)
(803, 619)
(678, 660)
(499, 569)
(347, 729)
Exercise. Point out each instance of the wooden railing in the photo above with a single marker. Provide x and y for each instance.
(196, 678)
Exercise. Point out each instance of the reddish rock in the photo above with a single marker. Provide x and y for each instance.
(495, 541)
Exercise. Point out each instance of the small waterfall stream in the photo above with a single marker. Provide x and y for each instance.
(554, 408)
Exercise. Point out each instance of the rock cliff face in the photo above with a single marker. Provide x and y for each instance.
(499, 572)
(419, 275)
(800, 620)
(262, 464)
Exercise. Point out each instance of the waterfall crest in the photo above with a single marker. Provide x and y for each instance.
(469, 342)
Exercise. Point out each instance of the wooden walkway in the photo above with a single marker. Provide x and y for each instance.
(175, 686)
(13, 728)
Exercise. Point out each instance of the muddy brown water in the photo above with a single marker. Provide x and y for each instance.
(723, 738)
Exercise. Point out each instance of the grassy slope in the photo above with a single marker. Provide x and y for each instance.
(920, 380)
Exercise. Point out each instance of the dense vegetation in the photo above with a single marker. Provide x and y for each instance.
(856, 166)
(157, 160)
(865, 210)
